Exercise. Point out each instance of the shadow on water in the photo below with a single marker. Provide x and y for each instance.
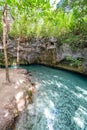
(60, 102)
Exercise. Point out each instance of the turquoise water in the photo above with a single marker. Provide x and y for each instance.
(60, 102)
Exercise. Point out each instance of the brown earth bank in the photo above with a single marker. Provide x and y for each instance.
(14, 96)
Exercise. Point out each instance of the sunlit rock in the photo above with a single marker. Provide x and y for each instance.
(20, 101)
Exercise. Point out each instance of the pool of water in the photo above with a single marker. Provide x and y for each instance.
(60, 102)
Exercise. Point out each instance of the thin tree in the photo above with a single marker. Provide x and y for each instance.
(5, 33)
(18, 49)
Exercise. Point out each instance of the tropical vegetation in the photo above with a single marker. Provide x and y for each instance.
(36, 18)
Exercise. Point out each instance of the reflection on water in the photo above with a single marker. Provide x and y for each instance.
(60, 102)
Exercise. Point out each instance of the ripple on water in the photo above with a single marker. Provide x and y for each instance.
(60, 102)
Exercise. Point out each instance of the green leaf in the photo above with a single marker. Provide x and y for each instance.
(2, 3)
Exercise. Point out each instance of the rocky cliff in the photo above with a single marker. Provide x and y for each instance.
(49, 52)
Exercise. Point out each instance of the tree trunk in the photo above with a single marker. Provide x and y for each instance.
(5, 41)
(18, 49)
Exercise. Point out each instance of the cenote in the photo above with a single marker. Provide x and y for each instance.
(60, 102)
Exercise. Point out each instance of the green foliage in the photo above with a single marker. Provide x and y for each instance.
(1, 58)
(75, 41)
(74, 61)
(35, 18)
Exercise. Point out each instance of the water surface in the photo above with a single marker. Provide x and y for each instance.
(60, 102)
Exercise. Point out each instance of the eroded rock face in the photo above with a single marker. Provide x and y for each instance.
(85, 67)
(6, 119)
(63, 52)
(45, 51)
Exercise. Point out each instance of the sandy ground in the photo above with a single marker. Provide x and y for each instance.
(9, 90)
(12, 96)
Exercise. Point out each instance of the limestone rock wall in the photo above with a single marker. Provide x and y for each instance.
(46, 51)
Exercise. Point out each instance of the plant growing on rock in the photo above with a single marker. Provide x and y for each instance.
(74, 61)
